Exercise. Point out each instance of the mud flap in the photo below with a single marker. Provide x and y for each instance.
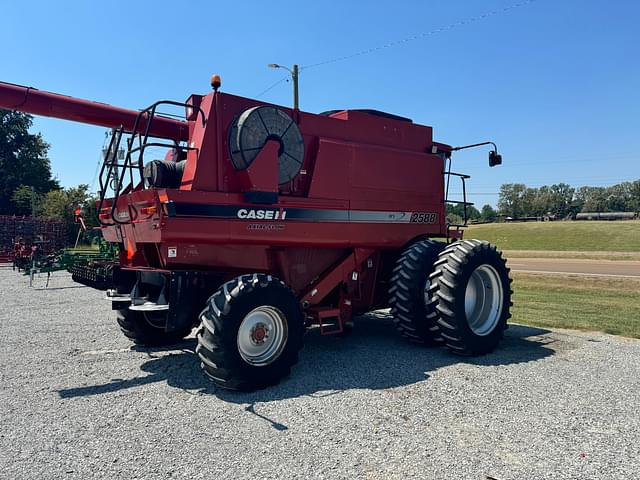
(188, 292)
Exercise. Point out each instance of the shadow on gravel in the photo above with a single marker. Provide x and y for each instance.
(373, 357)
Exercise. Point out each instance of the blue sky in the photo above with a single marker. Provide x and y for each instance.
(553, 83)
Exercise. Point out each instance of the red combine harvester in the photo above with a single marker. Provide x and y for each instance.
(262, 221)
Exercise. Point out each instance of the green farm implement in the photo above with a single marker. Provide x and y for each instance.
(88, 266)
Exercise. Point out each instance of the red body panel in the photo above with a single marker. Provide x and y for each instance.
(367, 182)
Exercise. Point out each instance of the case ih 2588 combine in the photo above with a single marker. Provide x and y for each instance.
(261, 221)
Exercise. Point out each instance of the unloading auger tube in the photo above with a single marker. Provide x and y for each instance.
(48, 104)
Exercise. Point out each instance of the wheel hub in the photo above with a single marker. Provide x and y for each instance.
(258, 333)
(262, 335)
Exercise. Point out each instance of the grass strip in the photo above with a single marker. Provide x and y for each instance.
(610, 305)
(612, 237)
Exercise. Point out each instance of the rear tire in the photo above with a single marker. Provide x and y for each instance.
(148, 328)
(473, 290)
(410, 298)
(251, 333)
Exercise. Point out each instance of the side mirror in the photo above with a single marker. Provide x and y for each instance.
(494, 158)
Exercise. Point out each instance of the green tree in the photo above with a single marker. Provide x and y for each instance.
(90, 211)
(529, 202)
(456, 212)
(617, 198)
(487, 213)
(594, 199)
(634, 197)
(510, 201)
(26, 201)
(61, 204)
(562, 198)
(23, 160)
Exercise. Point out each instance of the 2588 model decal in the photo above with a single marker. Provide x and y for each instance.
(423, 217)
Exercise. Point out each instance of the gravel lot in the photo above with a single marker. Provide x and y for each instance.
(78, 402)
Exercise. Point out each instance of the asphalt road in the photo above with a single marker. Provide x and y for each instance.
(608, 268)
(77, 402)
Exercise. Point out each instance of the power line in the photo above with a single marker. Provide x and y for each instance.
(402, 41)
(419, 35)
(268, 89)
(581, 161)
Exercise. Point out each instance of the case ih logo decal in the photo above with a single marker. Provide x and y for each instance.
(243, 212)
(270, 214)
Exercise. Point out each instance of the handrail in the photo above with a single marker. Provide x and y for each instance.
(141, 132)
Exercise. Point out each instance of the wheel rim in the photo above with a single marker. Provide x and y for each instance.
(483, 300)
(262, 335)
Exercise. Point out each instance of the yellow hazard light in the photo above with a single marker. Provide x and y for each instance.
(216, 82)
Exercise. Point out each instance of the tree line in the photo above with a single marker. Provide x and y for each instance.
(559, 201)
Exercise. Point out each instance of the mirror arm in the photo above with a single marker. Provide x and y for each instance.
(494, 157)
(495, 148)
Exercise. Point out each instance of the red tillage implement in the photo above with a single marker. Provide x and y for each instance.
(262, 221)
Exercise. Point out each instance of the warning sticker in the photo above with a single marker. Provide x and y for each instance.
(173, 252)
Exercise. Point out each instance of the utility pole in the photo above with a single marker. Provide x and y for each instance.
(294, 78)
